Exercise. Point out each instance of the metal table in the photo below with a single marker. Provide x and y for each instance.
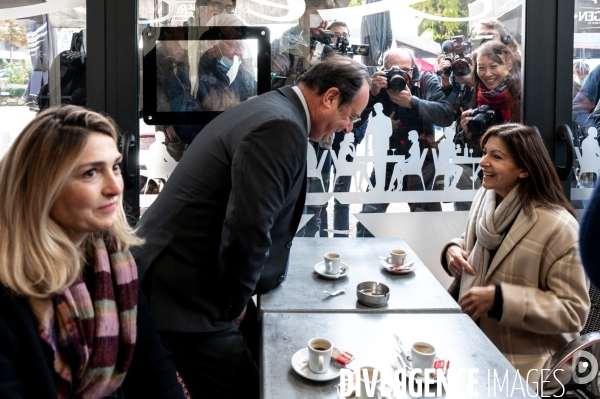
(369, 338)
(302, 291)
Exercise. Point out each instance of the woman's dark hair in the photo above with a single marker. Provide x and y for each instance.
(341, 72)
(542, 186)
(500, 53)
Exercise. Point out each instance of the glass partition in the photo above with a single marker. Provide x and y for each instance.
(42, 62)
(410, 168)
(586, 96)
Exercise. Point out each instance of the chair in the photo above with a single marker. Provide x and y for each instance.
(406, 168)
(590, 335)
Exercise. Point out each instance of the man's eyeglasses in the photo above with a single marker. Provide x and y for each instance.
(233, 44)
(216, 6)
(354, 120)
(344, 35)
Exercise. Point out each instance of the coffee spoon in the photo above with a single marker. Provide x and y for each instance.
(334, 293)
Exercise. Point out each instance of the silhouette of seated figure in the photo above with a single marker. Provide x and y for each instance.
(358, 170)
(411, 166)
(159, 163)
(589, 157)
(443, 161)
(313, 167)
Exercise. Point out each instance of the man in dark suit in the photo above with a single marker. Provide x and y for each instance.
(222, 228)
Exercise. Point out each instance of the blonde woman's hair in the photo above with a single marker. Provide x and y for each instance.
(37, 258)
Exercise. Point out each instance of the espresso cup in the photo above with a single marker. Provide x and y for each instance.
(369, 383)
(319, 355)
(397, 257)
(332, 262)
(423, 356)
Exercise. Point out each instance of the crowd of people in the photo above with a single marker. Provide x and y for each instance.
(91, 308)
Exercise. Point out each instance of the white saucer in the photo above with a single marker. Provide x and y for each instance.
(304, 371)
(320, 269)
(419, 379)
(409, 266)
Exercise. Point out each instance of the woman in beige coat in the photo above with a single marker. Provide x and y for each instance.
(516, 267)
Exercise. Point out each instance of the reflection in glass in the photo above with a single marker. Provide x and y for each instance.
(226, 75)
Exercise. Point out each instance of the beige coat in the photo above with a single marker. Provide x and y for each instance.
(544, 287)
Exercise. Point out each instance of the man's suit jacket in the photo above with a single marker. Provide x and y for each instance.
(222, 228)
(544, 286)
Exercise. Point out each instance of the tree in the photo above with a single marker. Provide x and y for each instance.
(13, 33)
(443, 30)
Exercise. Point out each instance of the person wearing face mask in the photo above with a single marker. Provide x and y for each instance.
(223, 82)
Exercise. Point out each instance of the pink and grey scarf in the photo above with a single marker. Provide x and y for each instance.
(92, 336)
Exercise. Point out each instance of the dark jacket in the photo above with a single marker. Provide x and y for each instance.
(26, 362)
(222, 228)
(212, 76)
(430, 108)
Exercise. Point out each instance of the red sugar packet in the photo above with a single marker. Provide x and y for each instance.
(341, 357)
(442, 364)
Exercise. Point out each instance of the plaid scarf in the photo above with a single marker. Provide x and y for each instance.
(500, 101)
(491, 224)
(92, 339)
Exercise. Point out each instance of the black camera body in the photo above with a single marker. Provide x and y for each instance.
(483, 118)
(340, 47)
(396, 78)
(457, 52)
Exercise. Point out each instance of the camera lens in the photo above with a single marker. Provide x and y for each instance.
(397, 83)
(461, 67)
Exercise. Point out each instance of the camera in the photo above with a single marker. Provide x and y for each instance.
(457, 52)
(324, 42)
(396, 78)
(483, 118)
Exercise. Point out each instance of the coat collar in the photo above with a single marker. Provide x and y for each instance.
(519, 229)
(291, 95)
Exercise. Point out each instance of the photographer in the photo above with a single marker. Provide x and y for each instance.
(418, 104)
(497, 90)
(338, 38)
(290, 54)
(454, 69)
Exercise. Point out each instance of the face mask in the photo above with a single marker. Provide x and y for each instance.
(230, 66)
(315, 20)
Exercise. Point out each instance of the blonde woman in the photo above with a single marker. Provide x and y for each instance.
(72, 322)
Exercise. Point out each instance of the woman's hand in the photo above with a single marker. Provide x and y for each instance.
(238, 320)
(457, 261)
(478, 301)
(464, 120)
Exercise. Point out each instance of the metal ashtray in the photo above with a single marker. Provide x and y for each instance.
(373, 294)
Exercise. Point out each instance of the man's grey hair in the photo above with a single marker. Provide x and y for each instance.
(343, 73)
(338, 23)
(398, 50)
